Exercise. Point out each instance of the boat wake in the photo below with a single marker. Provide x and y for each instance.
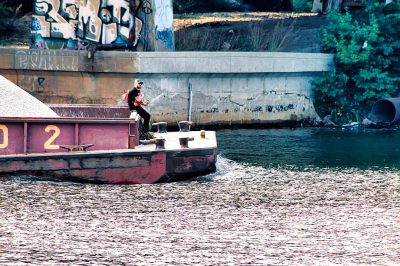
(229, 170)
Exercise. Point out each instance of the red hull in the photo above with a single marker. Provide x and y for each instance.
(98, 150)
(118, 167)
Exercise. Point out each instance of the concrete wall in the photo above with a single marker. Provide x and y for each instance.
(226, 87)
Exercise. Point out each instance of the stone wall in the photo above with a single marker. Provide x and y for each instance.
(220, 88)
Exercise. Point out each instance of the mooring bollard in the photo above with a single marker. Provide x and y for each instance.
(184, 142)
(184, 126)
(160, 143)
(161, 127)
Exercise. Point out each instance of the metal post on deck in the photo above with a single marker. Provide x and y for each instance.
(190, 102)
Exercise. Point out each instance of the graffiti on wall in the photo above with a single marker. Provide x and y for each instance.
(46, 60)
(147, 10)
(81, 24)
(163, 23)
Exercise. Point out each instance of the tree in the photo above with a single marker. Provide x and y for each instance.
(367, 50)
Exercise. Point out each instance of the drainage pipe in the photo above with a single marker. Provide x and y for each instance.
(386, 111)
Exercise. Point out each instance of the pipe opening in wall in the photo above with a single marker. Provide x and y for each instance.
(386, 111)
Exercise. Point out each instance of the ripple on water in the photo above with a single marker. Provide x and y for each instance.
(242, 214)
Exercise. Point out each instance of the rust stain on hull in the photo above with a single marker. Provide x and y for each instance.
(187, 163)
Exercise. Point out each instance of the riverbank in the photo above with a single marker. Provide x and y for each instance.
(235, 31)
(255, 31)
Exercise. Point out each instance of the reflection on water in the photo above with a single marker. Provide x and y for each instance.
(361, 148)
(280, 197)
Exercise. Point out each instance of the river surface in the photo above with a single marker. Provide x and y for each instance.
(279, 197)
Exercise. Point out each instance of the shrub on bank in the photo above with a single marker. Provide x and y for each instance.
(367, 50)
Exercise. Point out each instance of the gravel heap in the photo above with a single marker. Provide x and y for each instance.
(15, 102)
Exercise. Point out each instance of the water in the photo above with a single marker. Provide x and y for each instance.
(279, 197)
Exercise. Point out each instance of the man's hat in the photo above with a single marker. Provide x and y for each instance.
(138, 81)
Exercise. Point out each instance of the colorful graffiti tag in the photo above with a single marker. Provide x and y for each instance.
(79, 24)
(85, 24)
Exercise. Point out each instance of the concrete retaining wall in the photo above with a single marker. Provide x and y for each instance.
(226, 87)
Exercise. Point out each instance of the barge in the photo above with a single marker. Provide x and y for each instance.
(98, 144)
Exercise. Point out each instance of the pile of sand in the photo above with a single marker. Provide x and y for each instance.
(15, 102)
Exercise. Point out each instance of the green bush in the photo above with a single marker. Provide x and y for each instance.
(367, 50)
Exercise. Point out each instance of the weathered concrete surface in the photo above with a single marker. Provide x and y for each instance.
(233, 62)
(226, 87)
(232, 98)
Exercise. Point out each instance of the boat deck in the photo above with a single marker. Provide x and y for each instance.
(172, 141)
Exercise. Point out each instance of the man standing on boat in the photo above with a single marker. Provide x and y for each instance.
(135, 102)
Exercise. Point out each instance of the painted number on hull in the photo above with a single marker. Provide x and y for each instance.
(48, 145)
(4, 132)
